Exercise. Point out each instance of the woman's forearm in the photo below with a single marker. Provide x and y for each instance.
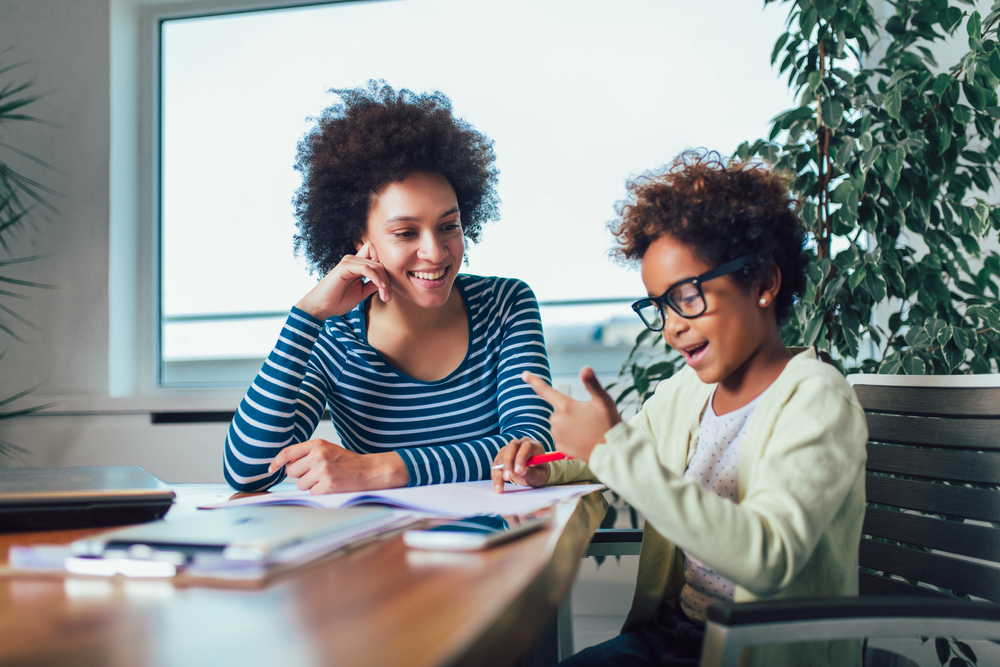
(282, 406)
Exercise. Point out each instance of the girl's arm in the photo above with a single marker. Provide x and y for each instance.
(795, 485)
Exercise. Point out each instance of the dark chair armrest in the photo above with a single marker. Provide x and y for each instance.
(731, 627)
(615, 542)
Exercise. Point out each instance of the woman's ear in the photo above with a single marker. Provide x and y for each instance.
(769, 286)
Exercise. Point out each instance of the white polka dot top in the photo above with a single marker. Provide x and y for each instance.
(714, 465)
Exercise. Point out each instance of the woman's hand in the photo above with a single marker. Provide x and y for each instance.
(578, 427)
(513, 457)
(344, 286)
(325, 467)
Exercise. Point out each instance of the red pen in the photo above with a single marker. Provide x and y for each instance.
(539, 459)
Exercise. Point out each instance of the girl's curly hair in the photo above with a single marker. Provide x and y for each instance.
(376, 136)
(723, 212)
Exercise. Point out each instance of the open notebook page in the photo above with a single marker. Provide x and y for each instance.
(444, 500)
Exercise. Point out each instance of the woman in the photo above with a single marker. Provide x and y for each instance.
(423, 380)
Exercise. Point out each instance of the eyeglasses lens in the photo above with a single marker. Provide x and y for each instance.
(651, 315)
(687, 299)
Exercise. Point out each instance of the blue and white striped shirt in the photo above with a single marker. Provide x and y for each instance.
(448, 430)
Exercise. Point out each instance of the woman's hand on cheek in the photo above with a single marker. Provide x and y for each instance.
(345, 285)
(578, 427)
(322, 467)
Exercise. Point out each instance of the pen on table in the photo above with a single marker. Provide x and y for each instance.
(539, 459)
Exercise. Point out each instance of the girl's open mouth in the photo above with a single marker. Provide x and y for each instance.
(695, 354)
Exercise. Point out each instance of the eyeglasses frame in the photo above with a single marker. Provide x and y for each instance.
(661, 301)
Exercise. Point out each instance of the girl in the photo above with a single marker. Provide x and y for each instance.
(749, 464)
(423, 381)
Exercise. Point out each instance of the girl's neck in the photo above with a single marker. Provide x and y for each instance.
(751, 379)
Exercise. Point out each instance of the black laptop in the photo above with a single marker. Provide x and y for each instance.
(51, 498)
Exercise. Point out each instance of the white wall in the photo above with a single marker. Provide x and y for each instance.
(66, 45)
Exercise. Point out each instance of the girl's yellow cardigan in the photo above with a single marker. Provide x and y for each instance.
(796, 528)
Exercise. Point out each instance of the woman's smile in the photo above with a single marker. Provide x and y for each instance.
(432, 278)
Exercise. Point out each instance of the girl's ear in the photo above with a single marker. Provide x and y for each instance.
(769, 286)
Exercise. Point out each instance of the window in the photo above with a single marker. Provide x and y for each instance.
(577, 95)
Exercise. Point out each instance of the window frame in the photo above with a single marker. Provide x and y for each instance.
(136, 365)
(134, 297)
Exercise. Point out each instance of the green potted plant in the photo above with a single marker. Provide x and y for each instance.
(893, 155)
(20, 197)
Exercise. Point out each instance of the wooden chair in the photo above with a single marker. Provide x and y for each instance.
(930, 549)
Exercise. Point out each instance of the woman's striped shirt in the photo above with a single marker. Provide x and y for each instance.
(448, 430)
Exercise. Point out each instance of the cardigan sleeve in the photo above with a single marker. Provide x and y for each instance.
(521, 413)
(283, 405)
(792, 485)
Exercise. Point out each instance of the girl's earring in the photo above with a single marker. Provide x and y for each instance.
(763, 301)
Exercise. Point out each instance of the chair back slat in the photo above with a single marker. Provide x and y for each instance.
(933, 466)
(961, 576)
(930, 401)
(872, 584)
(958, 501)
(975, 434)
(951, 465)
(963, 539)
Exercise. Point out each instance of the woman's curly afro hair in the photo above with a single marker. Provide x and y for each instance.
(722, 212)
(376, 136)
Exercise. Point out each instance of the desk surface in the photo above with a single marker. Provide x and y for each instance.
(378, 604)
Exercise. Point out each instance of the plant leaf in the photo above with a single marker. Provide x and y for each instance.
(856, 278)
(812, 329)
(975, 95)
(869, 158)
(974, 25)
(832, 112)
(891, 365)
(914, 365)
(917, 337)
(966, 650)
(893, 103)
(777, 47)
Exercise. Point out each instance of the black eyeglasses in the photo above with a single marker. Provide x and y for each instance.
(685, 297)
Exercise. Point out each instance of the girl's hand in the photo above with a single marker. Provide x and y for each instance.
(344, 286)
(578, 427)
(325, 467)
(513, 457)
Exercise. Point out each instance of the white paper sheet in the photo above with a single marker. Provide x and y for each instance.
(444, 500)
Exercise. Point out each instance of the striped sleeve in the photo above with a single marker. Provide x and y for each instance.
(283, 406)
(514, 327)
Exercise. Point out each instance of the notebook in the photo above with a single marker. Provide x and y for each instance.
(456, 500)
(239, 544)
(84, 497)
(258, 534)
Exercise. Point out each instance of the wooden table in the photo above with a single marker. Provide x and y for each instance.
(380, 604)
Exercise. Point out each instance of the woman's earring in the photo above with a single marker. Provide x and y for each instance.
(763, 301)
